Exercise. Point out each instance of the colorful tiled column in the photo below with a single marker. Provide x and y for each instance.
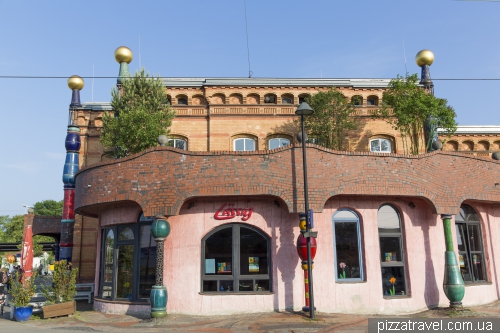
(453, 284)
(160, 229)
(71, 165)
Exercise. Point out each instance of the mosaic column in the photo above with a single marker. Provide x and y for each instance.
(302, 252)
(123, 55)
(424, 60)
(71, 166)
(453, 284)
(160, 229)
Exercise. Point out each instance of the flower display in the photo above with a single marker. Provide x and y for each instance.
(392, 291)
(343, 266)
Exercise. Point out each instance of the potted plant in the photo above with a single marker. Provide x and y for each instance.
(21, 291)
(61, 294)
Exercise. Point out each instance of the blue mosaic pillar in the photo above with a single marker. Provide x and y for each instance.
(71, 166)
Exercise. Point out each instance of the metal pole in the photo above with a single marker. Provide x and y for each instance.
(308, 227)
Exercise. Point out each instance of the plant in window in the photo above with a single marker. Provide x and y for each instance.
(343, 266)
(392, 291)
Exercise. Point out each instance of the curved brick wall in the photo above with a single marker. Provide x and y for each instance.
(161, 179)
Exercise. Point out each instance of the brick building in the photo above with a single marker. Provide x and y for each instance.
(231, 187)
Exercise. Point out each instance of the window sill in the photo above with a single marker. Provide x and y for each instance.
(349, 282)
(397, 297)
(243, 293)
(116, 301)
(472, 284)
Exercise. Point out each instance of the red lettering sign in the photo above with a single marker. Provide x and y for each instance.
(229, 213)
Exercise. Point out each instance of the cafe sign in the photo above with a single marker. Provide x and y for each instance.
(227, 212)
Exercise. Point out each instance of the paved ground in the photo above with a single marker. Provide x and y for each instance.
(87, 320)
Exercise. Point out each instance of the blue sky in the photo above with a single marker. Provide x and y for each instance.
(206, 38)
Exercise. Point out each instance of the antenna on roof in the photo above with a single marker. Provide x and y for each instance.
(404, 55)
(140, 52)
(93, 83)
(248, 48)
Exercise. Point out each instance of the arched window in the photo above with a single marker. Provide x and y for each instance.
(347, 246)
(235, 258)
(177, 143)
(244, 144)
(372, 101)
(302, 98)
(278, 143)
(132, 274)
(380, 145)
(391, 252)
(357, 100)
(270, 98)
(470, 245)
(287, 99)
(182, 100)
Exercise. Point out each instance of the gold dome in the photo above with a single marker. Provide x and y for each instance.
(75, 82)
(124, 54)
(424, 57)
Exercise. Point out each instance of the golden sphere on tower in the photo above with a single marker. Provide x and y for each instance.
(124, 54)
(424, 57)
(75, 82)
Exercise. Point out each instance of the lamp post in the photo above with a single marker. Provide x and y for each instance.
(303, 110)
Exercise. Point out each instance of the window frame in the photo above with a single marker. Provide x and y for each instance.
(244, 144)
(468, 252)
(400, 236)
(279, 144)
(175, 141)
(380, 144)
(136, 242)
(359, 241)
(235, 275)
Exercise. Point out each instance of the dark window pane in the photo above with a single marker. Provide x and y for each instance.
(463, 261)
(346, 240)
(375, 145)
(182, 101)
(478, 267)
(108, 259)
(246, 285)
(106, 292)
(467, 214)
(125, 272)
(261, 285)
(390, 249)
(126, 234)
(181, 144)
(219, 248)
(226, 285)
(461, 239)
(147, 262)
(253, 252)
(474, 237)
(393, 281)
(209, 285)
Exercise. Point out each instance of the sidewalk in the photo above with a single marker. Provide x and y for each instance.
(88, 320)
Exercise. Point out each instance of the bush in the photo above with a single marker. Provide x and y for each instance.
(21, 290)
(63, 287)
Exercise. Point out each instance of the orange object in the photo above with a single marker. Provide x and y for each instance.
(11, 258)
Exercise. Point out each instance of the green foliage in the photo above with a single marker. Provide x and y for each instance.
(331, 120)
(63, 288)
(48, 208)
(141, 114)
(21, 292)
(11, 228)
(407, 107)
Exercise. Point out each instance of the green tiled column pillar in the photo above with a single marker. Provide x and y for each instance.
(453, 284)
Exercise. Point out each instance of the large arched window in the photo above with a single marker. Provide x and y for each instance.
(347, 246)
(392, 257)
(128, 261)
(470, 245)
(235, 258)
(244, 144)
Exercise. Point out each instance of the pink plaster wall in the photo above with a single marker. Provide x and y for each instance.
(424, 254)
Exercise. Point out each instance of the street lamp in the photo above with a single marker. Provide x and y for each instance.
(304, 110)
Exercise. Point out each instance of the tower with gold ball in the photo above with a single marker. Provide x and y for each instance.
(71, 166)
(123, 55)
(424, 60)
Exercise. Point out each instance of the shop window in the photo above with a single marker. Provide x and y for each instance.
(244, 144)
(278, 143)
(132, 274)
(235, 258)
(177, 143)
(391, 252)
(347, 246)
(470, 245)
(380, 146)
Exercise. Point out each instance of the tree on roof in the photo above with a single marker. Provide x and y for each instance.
(141, 114)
